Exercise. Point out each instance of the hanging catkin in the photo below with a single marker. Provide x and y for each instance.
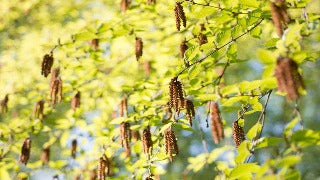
(38, 109)
(75, 102)
(170, 143)
(56, 90)
(190, 112)
(279, 15)
(47, 62)
(139, 48)
(93, 174)
(183, 48)
(151, 1)
(288, 78)
(216, 123)
(180, 16)
(25, 151)
(123, 109)
(74, 148)
(125, 137)
(102, 169)
(45, 156)
(176, 100)
(238, 133)
(146, 140)
(95, 44)
(4, 104)
(124, 5)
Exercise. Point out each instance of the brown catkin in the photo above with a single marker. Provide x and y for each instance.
(95, 44)
(4, 104)
(216, 123)
(93, 174)
(176, 14)
(124, 5)
(146, 140)
(279, 15)
(56, 90)
(180, 14)
(183, 48)
(147, 68)
(151, 1)
(139, 48)
(25, 151)
(74, 145)
(47, 62)
(176, 95)
(170, 143)
(125, 137)
(75, 102)
(45, 155)
(38, 109)
(123, 110)
(288, 78)
(102, 169)
(202, 39)
(135, 134)
(190, 112)
(238, 133)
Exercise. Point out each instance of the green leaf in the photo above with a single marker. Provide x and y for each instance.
(256, 32)
(267, 142)
(254, 130)
(84, 36)
(194, 71)
(289, 161)
(244, 170)
(266, 57)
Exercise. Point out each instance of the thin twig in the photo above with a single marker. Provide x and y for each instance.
(218, 48)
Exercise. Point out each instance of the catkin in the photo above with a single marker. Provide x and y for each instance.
(135, 135)
(238, 133)
(125, 137)
(190, 112)
(25, 151)
(45, 156)
(183, 48)
(176, 95)
(216, 123)
(38, 109)
(74, 145)
(279, 15)
(102, 169)
(75, 102)
(47, 62)
(202, 39)
(139, 48)
(123, 110)
(4, 104)
(95, 44)
(93, 174)
(147, 68)
(288, 78)
(151, 1)
(56, 90)
(180, 16)
(146, 140)
(170, 143)
(124, 5)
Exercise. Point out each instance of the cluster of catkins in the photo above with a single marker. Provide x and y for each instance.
(177, 100)
(216, 123)
(55, 86)
(289, 79)
(104, 163)
(170, 143)
(139, 48)
(4, 104)
(38, 109)
(280, 16)
(180, 16)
